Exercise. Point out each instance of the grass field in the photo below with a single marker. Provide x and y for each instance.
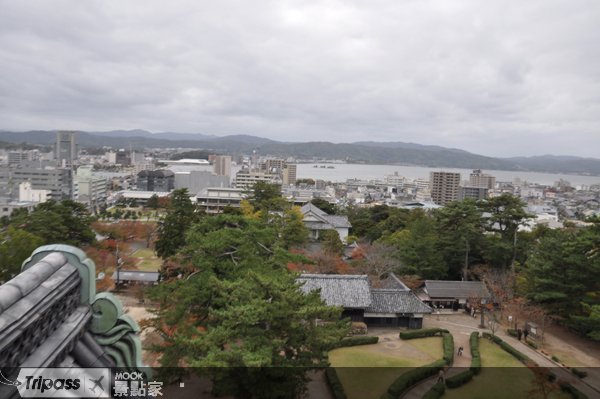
(367, 371)
(502, 376)
(149, 262)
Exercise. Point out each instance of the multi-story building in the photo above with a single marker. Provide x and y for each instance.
(90, 188)
(214, 199)
(444, 187)
(28, 194)
(393, 180)
(289, 175)
(137, 157)
(58, 181)
(197, 180)
(222, 165)
(138, 167)
(15, 157)
(272, 166)
(121, 158)
(247, 177)
(66, 148)
(156, 180)
(477, 193)
(479, 179)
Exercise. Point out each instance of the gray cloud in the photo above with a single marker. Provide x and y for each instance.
(499, 78)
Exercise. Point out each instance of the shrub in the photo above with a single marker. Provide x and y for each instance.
(512, 333)
(354, 341)
(515, 352)
(335, 384)
(475, 355)
(387, 396)
(435, 392)
(578, 373)
(430, 332)
(557, 360)
(448, 348)
(532, 344)
(574, 392)
(413, 376)
(494, 338)
(459, 379)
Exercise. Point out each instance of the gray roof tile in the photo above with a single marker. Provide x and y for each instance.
(396, 301)
(340, 290)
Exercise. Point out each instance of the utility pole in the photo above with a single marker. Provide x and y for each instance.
(119, 262)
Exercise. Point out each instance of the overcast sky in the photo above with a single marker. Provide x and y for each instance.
(498, 78)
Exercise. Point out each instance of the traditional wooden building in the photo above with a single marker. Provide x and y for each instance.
(392, 305)
(452, 294)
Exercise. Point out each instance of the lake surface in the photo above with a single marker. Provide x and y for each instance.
(342, 172)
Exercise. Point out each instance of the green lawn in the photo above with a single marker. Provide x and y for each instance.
(146, 253)
(502, 376)
(367, 371)
(149, 262)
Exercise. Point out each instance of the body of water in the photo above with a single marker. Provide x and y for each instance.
(342, 172)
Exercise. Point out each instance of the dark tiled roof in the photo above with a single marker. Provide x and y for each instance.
(456, 289)
(156, 173)
(392, 282)
(396, 301)
(136, 275)
(339, 290)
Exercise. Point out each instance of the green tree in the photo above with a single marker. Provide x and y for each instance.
(238, 306)
(417, 246)
(262, 194)
(332, 242)
(173, 226)
(15, 246)
(459, 228)
(503, 215)
(65, 223)
(325, 206)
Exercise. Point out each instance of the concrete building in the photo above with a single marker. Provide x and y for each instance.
(444, 187)
(15, 157)
(137, 157)
(477, 193)
(394, 180)
(28, 194)
(289, 175)
(222, 166)
(272, 166)
(121, 158)
(58, 181)
(197, 180)
(66, 148)
(90, 188)
(156, 180)
(138, 167)
(247, 177)
(214, 199)
(479, 179)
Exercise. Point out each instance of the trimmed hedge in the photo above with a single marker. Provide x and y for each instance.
(580, 374)
(459, 379)
(354, 341)
(335, 384)
(448, 348)
(475, 355)
(557, 360)
(435, 392)
(494, 338)
(513, 333)
(413, 376)
(532, 344)
(574, 392)
(515, 352)
(430, 332)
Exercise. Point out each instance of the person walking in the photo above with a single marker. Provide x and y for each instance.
(441, 376)
(519, 333)
(460, 351)
(525, 334)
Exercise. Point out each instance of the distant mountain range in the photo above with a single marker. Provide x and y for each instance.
(361, 152)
